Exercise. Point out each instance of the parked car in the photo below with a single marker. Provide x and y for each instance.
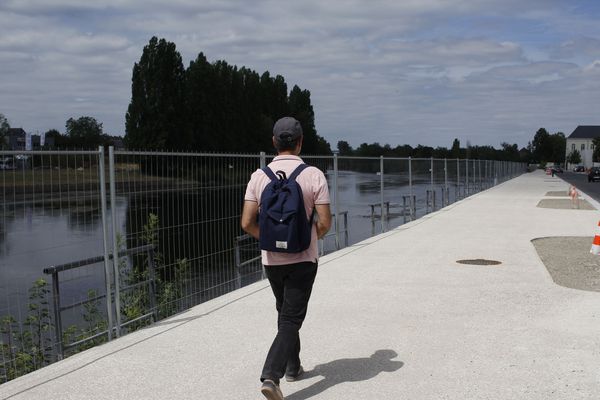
(579, 168)
(7, 163)
(557, 169)
(594, 174)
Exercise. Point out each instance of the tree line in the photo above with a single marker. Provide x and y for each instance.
(210, 106)
(507, 153)
(82, 133)
(544, 147)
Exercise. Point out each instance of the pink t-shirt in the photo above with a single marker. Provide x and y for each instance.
(315, 191)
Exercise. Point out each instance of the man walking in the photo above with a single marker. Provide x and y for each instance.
(291, 275)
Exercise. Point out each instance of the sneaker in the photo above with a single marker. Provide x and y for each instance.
(294, 377)
(271, 390)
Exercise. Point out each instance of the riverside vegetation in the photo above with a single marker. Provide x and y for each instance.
(29, 346)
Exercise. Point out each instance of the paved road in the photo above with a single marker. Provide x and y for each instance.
(580, 181)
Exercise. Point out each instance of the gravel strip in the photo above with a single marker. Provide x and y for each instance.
(562, 193)
(564, 204)
(569, 261)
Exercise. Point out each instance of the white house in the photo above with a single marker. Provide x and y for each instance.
(581, 140)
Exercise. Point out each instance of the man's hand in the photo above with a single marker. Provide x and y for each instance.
(323, 220)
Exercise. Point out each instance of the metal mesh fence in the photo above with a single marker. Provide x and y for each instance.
(95, 245)
(189, 206)
(50, 211)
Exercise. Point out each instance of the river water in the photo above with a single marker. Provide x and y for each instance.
(33, 238)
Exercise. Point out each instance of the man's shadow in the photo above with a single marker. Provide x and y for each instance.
(347, 370)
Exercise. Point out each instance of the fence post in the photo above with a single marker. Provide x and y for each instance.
(336, 203)
(410, 188)
(381, 173)
(346, 228)
(447, 200)
(57, 318)
(372, 219)
(457, 179)
(115, 245)
(467, 177)
(263, 160)
(152, 283)
(475, 182)
(431, 175)
(105, 239)
(496, 172)
(387, 214)
(479, 167)
(474, 176)
(485, 173)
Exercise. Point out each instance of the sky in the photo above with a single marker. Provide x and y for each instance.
(388, 71)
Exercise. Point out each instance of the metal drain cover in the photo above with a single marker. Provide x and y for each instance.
(479, 261)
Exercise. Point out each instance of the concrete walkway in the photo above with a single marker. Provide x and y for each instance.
(394, 317)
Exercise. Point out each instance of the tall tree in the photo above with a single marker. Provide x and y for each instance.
(511, 152)
(369, 150)
(4, 127)
(596, 153)
(542, 146)
(301, 109)
(525, 154)
(199, 87)
(156, 113)
(84, 132)
(344, 148)
(455, 150)
(559, 145)
(275, 96)
(422, 152)
(257, 139)
(54, 140)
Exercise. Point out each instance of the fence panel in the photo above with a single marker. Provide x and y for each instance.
(55, 209)
(397, 192)
(189, 206)
(359, 183)
(50, 210)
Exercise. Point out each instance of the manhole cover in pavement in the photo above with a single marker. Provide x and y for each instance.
(479, 261)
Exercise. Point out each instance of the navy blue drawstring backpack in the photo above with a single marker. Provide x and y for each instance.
(282, 220)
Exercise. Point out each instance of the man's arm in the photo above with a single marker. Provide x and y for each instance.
(323, 220)
(248, 221)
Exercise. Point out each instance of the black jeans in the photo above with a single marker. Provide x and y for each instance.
(292, 285)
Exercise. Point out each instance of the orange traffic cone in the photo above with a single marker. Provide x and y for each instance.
(596, 243)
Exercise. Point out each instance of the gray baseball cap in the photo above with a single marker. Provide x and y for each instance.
(287, 129)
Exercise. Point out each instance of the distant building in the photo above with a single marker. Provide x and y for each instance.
(117, 142)
(49, 141)
(581, 140)
(16, 139)
(36, 143)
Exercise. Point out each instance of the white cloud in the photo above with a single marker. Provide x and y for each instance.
(578, 47)
(594, 67)
(388, 71)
